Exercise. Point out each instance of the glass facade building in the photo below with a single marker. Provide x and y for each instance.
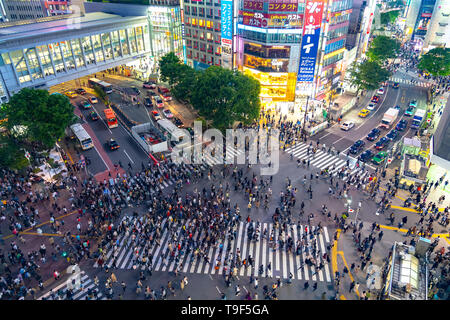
(41, 59)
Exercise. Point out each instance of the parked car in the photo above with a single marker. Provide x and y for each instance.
(366, 155)
(401, 125)
(347, 125)
(113, 145)
(379, 157)
(166, 96)
(81, 91)
(94, 116)
(363, 113)
(392, 135)
(156, 115)
(374, 134)
(178, 122)
(357, 146)
(93, 100)
(168, 113)
(151, 93)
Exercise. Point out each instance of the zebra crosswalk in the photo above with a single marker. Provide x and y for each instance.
(323, 160)
(309, 262)
(407, 81)
(80, 290)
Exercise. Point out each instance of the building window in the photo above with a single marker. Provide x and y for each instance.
(106, 40)
(78, 54)
(33, 63)
(67, 53)
(97, 48)
(123, 41)
(20, 65)
(44, 56)
(88, 51)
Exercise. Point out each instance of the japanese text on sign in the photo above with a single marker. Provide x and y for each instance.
(227, 19)
(291, 7)
(310, 40)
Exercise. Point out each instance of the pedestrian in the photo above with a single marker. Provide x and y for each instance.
(306, 285)
(237, 290)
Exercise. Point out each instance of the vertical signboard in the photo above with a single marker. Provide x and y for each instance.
(226, 22)
(310, 40)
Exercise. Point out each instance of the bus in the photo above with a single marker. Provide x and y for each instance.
(105, 86)
(83, 137)
(111, 118)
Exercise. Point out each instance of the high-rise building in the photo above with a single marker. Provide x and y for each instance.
(208, 29)
(268, 45)
(34, 9)
(360, 25)
(438, 33)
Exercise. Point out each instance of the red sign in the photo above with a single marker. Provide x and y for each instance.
(286, 7)
(253, 5)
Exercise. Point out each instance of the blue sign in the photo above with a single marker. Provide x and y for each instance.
(226, 19)
(308, 56)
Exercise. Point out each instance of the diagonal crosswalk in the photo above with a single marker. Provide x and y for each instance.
(323, 160)
(311, 241)
(79, 292)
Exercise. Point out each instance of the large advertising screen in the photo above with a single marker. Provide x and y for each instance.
(226, 21)
(310, 40)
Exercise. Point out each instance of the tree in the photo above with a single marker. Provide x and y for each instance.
(389, 16)
(368, 75)
(186, 80)
(383, 48)
(436, 62)
(169, 67)
(11, 156)
(224, 96)
(42, 116)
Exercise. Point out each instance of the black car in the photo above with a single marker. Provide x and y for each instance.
(392, 135)
(136, 90)
(113, 145)
(366, 156)
(81, 91)
(148, 102)
(178, 122)
(151, 93)
(395, 85)
(94, 116)
(357, 146)
(401, 125)
(374, 134)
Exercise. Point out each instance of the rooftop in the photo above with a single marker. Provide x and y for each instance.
(87, 21)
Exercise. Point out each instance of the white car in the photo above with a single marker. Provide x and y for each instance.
(380, 91)
(347, 125)
(371, 106)
(168, 113)
(93, 99)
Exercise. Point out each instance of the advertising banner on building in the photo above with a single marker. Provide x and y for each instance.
(263, 20)
(310, 40)
(283, 5)
(226, 21)
(254, 5)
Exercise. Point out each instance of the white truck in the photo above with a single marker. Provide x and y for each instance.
(419, 116)
(389, 118)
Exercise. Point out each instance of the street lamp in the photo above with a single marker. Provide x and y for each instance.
(357, 211)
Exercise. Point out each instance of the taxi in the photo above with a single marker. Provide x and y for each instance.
(363, 113)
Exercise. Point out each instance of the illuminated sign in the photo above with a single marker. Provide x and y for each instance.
(253, 5)
(264, 20)
(284, 6)
(227, 21)
(310, 40)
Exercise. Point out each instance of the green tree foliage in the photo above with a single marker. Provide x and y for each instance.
(389, 17)
(11, 156)
(368, 75)
(383, 48)
(224, 96)
(43, 116)
(169, 67)
(186, 79)
(436, 62)
(100, 93)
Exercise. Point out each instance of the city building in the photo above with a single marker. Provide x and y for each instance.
(208, 29)
(268, 46)
(15, 10)
(360, 25)
(418, 18)
(164, 22)
(44, 54)
(438, 34)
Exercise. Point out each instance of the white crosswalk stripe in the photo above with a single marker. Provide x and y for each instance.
(408, 81)
(322, 160)
(283, 262)
(80, 290)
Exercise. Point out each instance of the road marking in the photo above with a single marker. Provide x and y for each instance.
(218, 290)
(128, 155)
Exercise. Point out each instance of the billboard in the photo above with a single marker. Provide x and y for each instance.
(310, 40)
(264, 20)
(253, 5)
(226, 21)
(285, 5)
